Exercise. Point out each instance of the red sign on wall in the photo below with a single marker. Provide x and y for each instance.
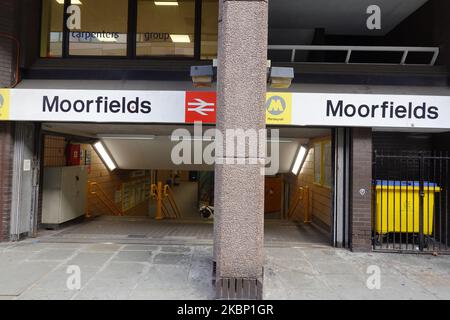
(201, 107)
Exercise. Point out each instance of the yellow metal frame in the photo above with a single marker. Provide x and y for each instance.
(97, 191)
(322, 142)
(303, 199)
(161, 192)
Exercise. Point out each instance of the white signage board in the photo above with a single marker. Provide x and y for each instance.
(95, 106)
(368, 110)
(296, 109)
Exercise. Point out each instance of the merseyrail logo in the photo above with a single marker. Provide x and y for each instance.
(279, 108)
(4, 104)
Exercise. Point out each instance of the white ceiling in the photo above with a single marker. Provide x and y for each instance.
(136, 154)
(156, 154)
(93, 130)
(339, 17)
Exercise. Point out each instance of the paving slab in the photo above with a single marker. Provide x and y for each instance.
(121, 270)
(133, 256)
(85, 259)
(165, 277)
(102, 247)
(139, 247)
(175, 249)
(171, 258)
(15, 280)
(53, 254)
(36, 270)
(54, 285)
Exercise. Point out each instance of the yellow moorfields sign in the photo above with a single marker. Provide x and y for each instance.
(279, 108)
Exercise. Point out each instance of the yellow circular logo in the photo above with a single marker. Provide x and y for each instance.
(276, 105)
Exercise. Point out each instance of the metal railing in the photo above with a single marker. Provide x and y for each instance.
(16, 75)
(161, 192)
(352, 49)
(411, 198)
(302, 201)
(97, 191)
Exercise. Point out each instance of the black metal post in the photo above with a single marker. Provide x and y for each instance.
(421, 199)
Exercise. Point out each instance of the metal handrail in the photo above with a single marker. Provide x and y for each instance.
(351, 49)
(104, 198)
(17, 69)
(172, 201)
(302, 199)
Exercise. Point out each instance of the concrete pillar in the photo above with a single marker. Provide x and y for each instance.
(239, 188)
(361, 193)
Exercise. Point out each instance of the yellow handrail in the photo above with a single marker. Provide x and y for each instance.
(173, 203)
(103, 197)
(303, 199)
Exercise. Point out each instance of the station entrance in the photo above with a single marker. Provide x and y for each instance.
(136, 194)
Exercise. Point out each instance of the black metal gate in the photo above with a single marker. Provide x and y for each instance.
(411, 202)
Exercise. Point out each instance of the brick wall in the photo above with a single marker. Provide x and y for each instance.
(361, 204)
(8, 24)
(6, 161)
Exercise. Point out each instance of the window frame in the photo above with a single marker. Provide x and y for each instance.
(131, 37)
(322, 142)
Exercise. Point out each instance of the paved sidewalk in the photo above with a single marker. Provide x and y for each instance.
(34, 270)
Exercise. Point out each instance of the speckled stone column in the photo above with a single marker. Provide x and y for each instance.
(239, 188)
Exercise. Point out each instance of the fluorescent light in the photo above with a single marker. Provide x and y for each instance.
(299, 160)
(180, 38)
(103, 154)
(71, 2)
(126, 137)
(166, 3)
(105, 38)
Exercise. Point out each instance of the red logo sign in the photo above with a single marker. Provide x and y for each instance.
(200, 107)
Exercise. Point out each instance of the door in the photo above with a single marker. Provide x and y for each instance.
(273, 194)
(24, 182)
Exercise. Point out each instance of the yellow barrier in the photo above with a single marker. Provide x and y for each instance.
(160, 193)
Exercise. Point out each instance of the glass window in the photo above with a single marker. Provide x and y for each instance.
(165, 28)
(103, 32)
(322, 163)
(51, 28)
(318, 163)
(327, 177)
(210, 25)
